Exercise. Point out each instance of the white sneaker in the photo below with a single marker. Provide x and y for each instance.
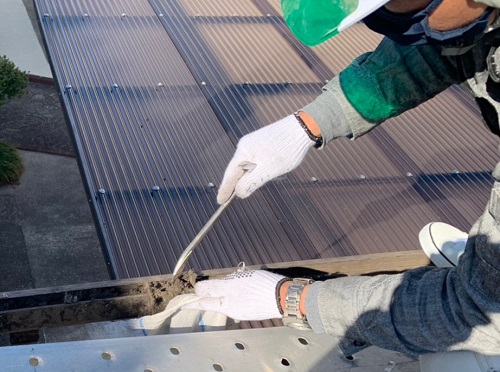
(442, 243)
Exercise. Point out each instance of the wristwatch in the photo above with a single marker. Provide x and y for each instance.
(292, 316)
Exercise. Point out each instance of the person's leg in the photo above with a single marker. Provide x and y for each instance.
(444, 245)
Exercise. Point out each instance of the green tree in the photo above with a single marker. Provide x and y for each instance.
(12, 84)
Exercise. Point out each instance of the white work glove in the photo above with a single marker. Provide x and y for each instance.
(242, 295)
(274, 150)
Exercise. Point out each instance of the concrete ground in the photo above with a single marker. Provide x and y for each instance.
(47, 236)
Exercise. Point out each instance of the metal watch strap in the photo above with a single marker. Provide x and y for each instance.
(292, 316)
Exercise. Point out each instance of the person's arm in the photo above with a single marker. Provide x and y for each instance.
(421, 311)
(375, 87)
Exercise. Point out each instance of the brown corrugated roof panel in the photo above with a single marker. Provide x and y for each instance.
(157, 94)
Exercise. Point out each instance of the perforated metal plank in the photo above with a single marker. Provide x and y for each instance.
(271, 349)
(158, 93)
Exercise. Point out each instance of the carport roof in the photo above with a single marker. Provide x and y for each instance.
(157, 94)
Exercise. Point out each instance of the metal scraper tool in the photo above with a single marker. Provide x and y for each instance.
(181, 262)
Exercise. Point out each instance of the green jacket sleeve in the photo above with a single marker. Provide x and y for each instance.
(395, 78)
(383, 84)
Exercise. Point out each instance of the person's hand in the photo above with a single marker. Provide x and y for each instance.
(272, 151)
(242, 295)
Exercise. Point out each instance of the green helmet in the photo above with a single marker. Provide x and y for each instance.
(315, 21)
